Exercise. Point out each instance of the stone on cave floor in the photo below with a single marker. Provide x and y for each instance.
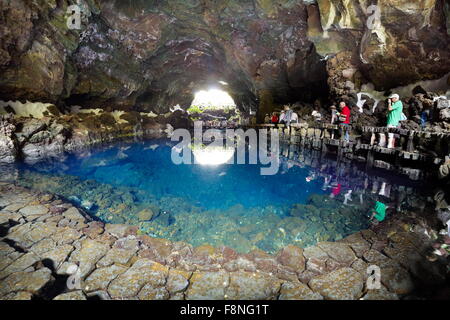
(341, 252)
(380, 294)
(342, 284)
(297, 291)
(115, 267)
(31, 282)
(21, 295)
(34, 210)
(143, 271)
(74, 295)
(397, 280)
(208, 286)
(22, 263)
(101, 277)
(252, 286)
(88, 254)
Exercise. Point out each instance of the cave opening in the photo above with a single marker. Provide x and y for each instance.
(213, 99)
(214, 107)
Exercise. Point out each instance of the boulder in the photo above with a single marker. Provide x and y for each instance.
(292, 257)
(342, 284)
(252, 286)
(208, 286)
(130, 283)
(297, 291)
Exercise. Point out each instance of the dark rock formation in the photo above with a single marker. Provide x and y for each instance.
(407, 43)
(151, 55)
(32, 138)
(8, 145)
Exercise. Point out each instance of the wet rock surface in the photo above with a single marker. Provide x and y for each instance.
(112, 263)
(32, 139)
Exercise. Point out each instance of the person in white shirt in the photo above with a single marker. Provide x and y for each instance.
(294, 118)
(317, 115)
(333, 114)
(282, 119)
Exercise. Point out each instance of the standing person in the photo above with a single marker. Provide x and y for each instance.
(336, 190)
(282, 119)
(424, 117)
(274, 118)
(395, 110)
(288, 115)
(333, 114)
(294, 118)
(344, 118)
(317, 116)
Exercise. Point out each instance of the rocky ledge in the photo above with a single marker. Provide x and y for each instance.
(47, 243)
(32, 137)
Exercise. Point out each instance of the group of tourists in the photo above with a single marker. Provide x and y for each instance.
(220, 124)
(287, 116)
(342, 117)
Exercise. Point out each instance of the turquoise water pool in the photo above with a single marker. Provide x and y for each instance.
(222, 204)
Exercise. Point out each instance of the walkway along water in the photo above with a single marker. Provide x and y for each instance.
(418, 154)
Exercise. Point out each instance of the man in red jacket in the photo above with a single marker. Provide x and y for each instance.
(274, 118)
(344, 118)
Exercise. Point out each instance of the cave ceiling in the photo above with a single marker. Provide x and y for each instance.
(149, 55)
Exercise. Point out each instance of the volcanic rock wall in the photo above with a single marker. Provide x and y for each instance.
(34, 138)
(388, 43)
(150, 55)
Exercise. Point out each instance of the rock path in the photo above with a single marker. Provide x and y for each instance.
(46, 242)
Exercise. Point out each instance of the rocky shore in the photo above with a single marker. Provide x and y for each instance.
(31, 138)
(45, 241)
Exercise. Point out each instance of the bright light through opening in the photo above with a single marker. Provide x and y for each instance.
(213, 98)
(213, 156)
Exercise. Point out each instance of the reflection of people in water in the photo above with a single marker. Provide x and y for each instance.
(385, 190)
(360, 193)
(312, 176)
(286, 163)
(326, 183)
(335, 191)
(348, 197)
(401, 196)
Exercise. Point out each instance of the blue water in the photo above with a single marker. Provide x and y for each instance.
(232, 205)
(208, 186)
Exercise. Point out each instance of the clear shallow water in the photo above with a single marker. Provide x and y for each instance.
(137, 183)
